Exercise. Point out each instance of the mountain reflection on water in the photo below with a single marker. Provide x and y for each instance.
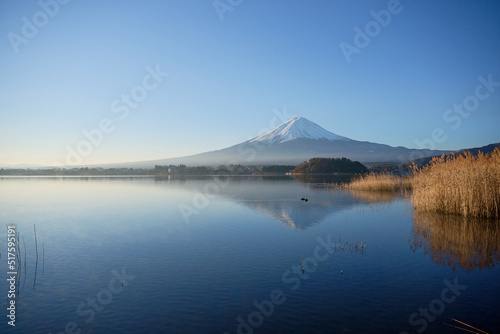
(291, 211)
(452, 241)
(280, 199)
(456, 241)
(200, 277)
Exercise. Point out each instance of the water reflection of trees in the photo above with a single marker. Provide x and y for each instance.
(327, 179)
(456, 241)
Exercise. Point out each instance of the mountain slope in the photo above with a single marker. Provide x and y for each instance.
(293, 142)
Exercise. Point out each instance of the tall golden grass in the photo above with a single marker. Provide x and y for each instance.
(465, 184)
(379, 182)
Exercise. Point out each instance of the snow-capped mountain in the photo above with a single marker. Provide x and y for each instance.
(291, 143)
(298, 127)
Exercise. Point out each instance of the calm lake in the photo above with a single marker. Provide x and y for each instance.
(217, 255)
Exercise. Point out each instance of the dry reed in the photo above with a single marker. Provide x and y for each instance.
(476, 330)
(462, 184)
(379, 182)
(465, 184)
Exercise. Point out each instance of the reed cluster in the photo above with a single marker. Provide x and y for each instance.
(380, 182)
(465, 184)
(461, 184)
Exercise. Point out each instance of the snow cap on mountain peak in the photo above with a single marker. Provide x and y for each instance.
(297, 127)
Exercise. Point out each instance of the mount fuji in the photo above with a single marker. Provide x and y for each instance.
(293, 142)
(298, 127)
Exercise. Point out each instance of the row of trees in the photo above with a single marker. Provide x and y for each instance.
(203, 170)
(277, 169)
(75, 171)
(315, 165)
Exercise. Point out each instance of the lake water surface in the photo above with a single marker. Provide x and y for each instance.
(216, 255)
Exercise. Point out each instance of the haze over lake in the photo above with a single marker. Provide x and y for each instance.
(117, 255)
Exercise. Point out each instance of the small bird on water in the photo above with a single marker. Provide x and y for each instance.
(304, 199)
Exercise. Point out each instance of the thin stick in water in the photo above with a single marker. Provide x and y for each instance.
(36, 243)
(463, 323)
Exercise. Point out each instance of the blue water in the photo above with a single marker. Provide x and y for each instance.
(204, 255)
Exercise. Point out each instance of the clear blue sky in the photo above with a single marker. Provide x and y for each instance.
(227, 76)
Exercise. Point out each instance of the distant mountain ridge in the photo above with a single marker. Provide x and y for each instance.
(484, 149)
(475, 151)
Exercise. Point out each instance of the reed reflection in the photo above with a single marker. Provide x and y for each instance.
(456, 241)
(376, 197)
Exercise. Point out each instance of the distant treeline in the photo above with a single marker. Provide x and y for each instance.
(316, 165)
(277, 169)
(204, 170)
(330, 165)
(75, 171)
(156, 171)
